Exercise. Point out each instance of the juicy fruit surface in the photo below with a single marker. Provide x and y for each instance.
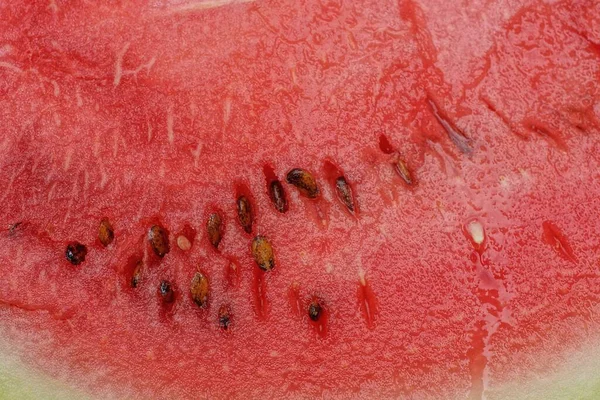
(483, 268)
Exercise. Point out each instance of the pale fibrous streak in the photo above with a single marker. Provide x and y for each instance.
(56, 88)
(72, 196)
(8, 189)
(103, 174)
(86, 183)
(10, 66)
(201, 5)
(53, 6)
(51, 191)
(170, 122)
(68, 157)
(115, 149)
(119, 64)
(362, 276)
(196, 153)
(97, 144)
(5, 50)
(120, 72)
(150, 131)
(227, 110)
(78, 97)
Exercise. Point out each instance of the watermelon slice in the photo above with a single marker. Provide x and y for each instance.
(282, 199)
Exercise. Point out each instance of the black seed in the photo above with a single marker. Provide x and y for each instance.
(344, 193)
(224, 317)
(136, 277)
(159, 240)
(277, 195)
(166, 292)
(304, 181)
(199, 290)
(76, 253)
(244, 213)
(262, 251)
(315, 310)
(106, 234)
(214, 227)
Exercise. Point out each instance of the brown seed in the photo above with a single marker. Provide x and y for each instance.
(159, 240)
(277, 195)
(404, 172)
(136, 277)
(166, 291)
(224, 316)
(106, 234)
(76, 253)
(344, 193)
(244, 213)
(200, 289)
(315, 310)
(262, 251)
(214, 227)
(304, 181)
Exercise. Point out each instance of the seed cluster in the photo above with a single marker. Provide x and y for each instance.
(261, 247)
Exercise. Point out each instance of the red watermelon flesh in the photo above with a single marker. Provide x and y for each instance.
(468, 134)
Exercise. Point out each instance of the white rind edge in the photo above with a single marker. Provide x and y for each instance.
(578, 378)
(19, 382)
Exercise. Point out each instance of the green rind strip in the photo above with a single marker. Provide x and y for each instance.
(577, 379)
(18, 382)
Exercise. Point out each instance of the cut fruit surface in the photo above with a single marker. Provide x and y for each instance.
(282, 199)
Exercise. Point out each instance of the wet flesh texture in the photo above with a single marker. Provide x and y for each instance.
(459, 251)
